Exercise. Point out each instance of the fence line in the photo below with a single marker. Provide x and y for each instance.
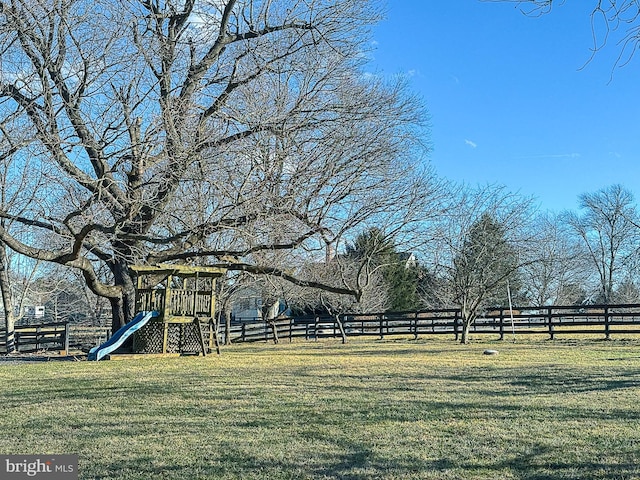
(606, 320)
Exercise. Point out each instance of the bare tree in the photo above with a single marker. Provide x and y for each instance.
(628, 291)
(558, 271)
(343, 270)
(480, 248)
(12, 186)
(607, 230)
(8, 301)
(65, 297)
(229, 291)
(171, 130)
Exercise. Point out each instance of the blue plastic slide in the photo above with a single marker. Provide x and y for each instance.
(118, 338)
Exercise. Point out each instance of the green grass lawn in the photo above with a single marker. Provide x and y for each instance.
(428, 409)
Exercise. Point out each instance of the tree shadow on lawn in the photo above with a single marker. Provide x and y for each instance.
(483, 382)
(359, 462)
(318, 452)
(544, 463)
(173, 384)
(549, 380)
(457, 410)
(140, 468)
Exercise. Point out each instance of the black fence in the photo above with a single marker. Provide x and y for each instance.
(34, 338)
(604, 320)
(599, 320)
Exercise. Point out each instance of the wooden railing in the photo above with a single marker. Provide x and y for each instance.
(188, 303)
(150, 299)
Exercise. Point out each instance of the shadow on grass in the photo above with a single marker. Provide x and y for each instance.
(550, 380)
(360, 462)
(543, 463)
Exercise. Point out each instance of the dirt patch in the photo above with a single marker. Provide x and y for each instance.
(40, 357)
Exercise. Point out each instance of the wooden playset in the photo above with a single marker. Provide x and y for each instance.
(184, 299)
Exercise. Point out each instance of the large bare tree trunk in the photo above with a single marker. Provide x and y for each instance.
(269, 314)
(274, 328)
(123, 308)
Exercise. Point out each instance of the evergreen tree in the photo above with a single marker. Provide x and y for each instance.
(482, 269)
(399, 270)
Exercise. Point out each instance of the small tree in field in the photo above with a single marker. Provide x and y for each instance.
(483, 270)
(480, 247)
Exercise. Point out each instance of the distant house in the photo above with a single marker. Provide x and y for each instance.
(247, 305)
(34, 312)
(408, 258)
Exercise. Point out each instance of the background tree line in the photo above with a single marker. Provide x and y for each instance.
(489, 248)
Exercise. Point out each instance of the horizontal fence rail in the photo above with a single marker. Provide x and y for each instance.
(606, 320)
(33, 338)
(54, 336)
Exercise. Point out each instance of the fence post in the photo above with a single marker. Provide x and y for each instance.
(501, 324)
(550, 320)
(16, 336)
(244, 332)
(455, 325)
(607, 330)
(315, 328)
(212, 332)
(66, 338)
(381, 326)
(415, 326)
(290, 330)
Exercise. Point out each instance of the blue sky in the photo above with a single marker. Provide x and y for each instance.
(511, 99)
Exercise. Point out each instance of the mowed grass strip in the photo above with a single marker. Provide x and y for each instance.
(427, 409)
